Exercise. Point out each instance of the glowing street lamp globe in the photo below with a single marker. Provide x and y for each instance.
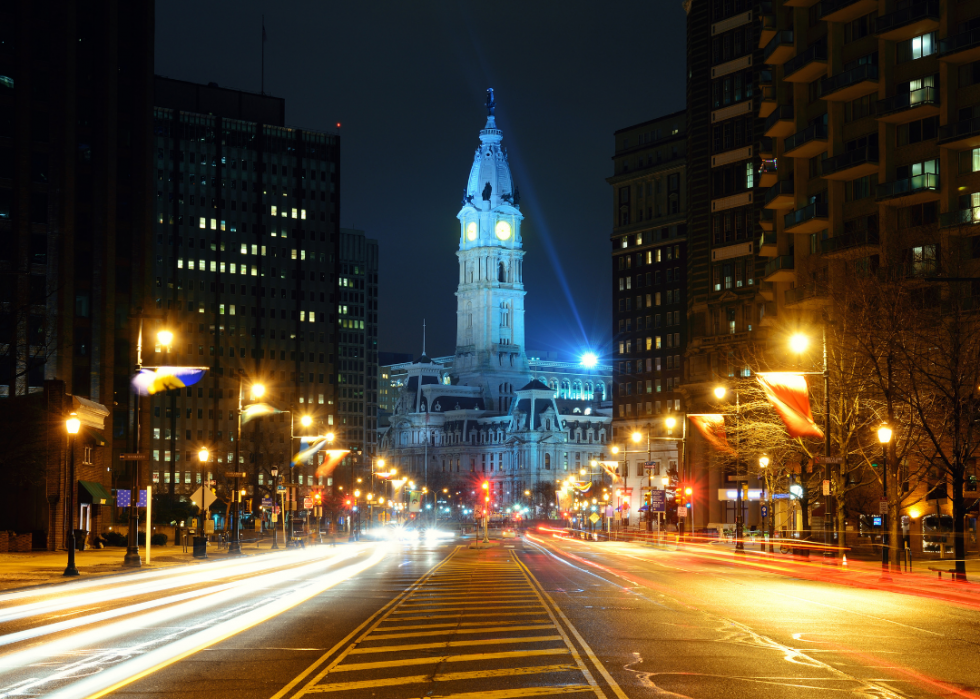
(306, 421)
(203, 455)
(799, 342)
(671, 423)
(589, 360)
(258, 390)
(720, 392)
(884, 434)
(636, 436)
(165, 338)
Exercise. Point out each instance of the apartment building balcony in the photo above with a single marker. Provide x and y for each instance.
(769, 315)
(857, 82)
(856, 244)
(767, 245)
(767, 172)
(960, 135)
(767, 290)
(767, 24)
(766, 147)
(800, 3)
(806, 143)
(914, 20)
(909, 106)
(846, 10)
(960, 48)
(780, 195)
(851, 164)
(780, 269)
(779, 49)
(767, 219)
(809, 219)
(780, 123)
(767, 101)
(913, 190)
(960, 217)
(807, 66)
(809, 296)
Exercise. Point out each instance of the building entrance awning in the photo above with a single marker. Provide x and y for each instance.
(92, 492)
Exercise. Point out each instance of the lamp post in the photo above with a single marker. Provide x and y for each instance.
(799, 343)
(203, 456)
(884, 438)
(275, 492)
(132, 558)
(72, 424)
(257, 391)
(720, 392)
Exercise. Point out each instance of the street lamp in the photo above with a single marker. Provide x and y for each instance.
(256, 390)
(203, 456)
(799, 343)
(132, 557)
(72, 424)
(720, 392)
(884, 438)
(275, 491)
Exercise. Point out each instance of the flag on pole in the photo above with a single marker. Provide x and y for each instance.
(304, 454)
(250, 412)
(150, 381)
(789, 397)
(712, 428)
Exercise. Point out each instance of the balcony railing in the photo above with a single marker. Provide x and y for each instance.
(907, 15)
(962, 217)
(849, 159)
(959, 42)
(815, 210)
(765, 145)
(782, 113)
(802, 293)
(847, 78)
(817, 52)
(917, 183)
(848, 241)
(767, 166)
(960, 129)
(767, 216)
(765, 77)
(779, 263)
(783, 38)
(814, 132)
(779, 189)
(829, 7)
(767, 239)
(908, 100)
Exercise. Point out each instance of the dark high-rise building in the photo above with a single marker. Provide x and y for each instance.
(826, 140)
(357, 351)
(76, 199)
(244, 273)
(649, 265)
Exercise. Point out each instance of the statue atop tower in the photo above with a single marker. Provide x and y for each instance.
(490, 102)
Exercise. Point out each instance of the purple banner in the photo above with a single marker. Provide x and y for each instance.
(123, 498)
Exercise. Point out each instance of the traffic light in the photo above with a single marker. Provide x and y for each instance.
(745, 491)
(486, 491)
(679, 497)
(318, 497)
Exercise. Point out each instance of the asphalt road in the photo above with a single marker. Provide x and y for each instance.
(537, 617)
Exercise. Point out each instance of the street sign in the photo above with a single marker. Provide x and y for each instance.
(307, 503)
(682, 512)
(652, 466)
(209, 497)
(765, 511)
(826, 487)
(266, 502)
(133, 457)
(658, 501)
(281, 488)
(883, 507)
(594, 517)
(827, 459)
(236, 474)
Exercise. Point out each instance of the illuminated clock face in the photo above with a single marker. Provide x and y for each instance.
(502, 230)
(471, 230)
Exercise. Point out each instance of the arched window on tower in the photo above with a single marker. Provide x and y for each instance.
(547, 462)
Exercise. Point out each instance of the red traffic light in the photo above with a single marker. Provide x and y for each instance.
(688, 491)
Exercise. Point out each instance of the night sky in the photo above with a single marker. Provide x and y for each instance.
(407, 81)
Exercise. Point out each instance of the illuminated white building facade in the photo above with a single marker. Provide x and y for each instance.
(489, 412)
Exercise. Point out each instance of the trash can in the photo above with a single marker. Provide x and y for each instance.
(200, 547)
(80, 535)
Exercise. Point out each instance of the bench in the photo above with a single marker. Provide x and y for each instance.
(940, 571)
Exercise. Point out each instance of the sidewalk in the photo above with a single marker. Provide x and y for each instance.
(18, 570)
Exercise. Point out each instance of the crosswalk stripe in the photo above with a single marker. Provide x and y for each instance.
(452, 644)
(464, 658)
(460, 625)
(443, 677)
(443, 632)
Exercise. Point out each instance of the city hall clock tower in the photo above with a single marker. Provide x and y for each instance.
(490, 296)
